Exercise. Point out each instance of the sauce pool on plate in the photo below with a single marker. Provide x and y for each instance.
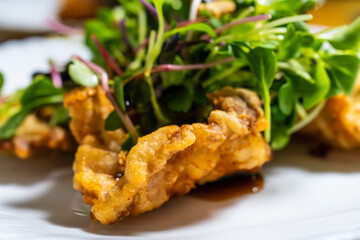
(229, 187)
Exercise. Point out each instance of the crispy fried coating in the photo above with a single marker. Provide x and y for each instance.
(172, 160)
(89, 108)
(339, 122)
(35, 135)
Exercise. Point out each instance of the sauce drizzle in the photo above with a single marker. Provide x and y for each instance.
(229, 187)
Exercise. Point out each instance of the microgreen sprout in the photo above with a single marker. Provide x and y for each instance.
(55, 75)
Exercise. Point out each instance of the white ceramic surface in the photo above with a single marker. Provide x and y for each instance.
(19, 59)
(303, 198)
(27, 15)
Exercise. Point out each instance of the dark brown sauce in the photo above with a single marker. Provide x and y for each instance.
(229, 187)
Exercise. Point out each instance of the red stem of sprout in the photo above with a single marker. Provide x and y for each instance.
(151, 9)
(124, 34)
(187, 23)
(104, 80)
(172, 67)
(177, 68)
(242, 21)
(110, 62)
(55, 76)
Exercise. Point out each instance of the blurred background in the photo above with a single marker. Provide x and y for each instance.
(22, 18)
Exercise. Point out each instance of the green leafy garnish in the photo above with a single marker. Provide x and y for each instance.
(113, 122)
(347, 38)
(156, 67)
(40, 93)
(263, 64)
(82, 75)
(1, 82)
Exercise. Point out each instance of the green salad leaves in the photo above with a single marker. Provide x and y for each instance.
(40, 93)
(161, 65)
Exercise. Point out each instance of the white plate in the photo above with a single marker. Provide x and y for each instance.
(303, 198)
(27, 15)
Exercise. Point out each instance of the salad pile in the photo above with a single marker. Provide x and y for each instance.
(157, 61)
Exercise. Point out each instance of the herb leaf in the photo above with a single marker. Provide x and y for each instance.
(263, 64)
(2, 81)
(344, 70)
(315, 93)
(40, 93)
(349, 38)
(119, 93)
(286, 98)
(113, 122)
(82, 75)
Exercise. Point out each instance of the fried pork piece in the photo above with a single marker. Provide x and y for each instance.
(172, 160)
(35, 135)
(339, 122)
(89, 108)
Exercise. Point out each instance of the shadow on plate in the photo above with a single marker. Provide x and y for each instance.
(63, 205)
(29, 171)
(298, 155)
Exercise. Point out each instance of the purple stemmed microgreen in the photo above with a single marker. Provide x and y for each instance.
(189, 22)
(55, 75)
(104, 81)
(151, 9)
(176, 68)
(242, 21)
(110, 62)
(239, 22)
(142, 45)
(61, 28)
(124, 34)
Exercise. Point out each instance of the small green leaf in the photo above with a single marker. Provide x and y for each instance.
(40, 93)
(295, 68)
(349, 38)
(286, 98)
(2, 81)
(119, 93)
(315, 93)
(280, 137)
(263, 64)
(181, 100)
(113, 122)
(8, 129)
(290, 45)
(281, 127)
(82, 75)
(344, 69)
(42, 86)
(198, 27)
(60, 117)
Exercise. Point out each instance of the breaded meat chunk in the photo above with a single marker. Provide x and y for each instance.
(89, 108)
(35, 135)
(173, 159)
(339, 122)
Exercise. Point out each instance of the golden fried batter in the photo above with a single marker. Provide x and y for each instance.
(89, 108)
(170, 161)
(35, 135)
(339, 122)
